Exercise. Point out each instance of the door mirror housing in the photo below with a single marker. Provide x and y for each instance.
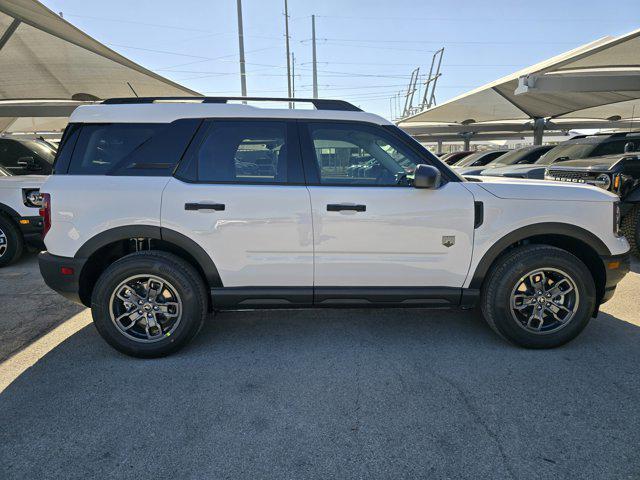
(28, 163)
(426, 176)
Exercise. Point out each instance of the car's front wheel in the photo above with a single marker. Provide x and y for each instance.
(149, 304)
(538, 296)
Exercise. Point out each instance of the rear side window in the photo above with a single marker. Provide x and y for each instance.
(250, 152)
(132, 149)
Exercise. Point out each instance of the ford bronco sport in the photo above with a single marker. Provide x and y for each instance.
(619, 174)
(153, 218)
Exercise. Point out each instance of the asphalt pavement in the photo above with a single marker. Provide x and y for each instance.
(345, 394)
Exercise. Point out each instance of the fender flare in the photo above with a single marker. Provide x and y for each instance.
(633, 196)
(535, 230)
(159, 233)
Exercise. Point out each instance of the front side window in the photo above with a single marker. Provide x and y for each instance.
(352, 154)
(244, 152)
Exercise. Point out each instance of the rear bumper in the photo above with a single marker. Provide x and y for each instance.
(66, 284)
(31, 228)
(615, 267)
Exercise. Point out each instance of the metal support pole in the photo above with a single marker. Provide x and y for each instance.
(439, 146)
(286, 34)
(293, 75)
(9, 32)
(466, 137)
(243, 73)
(538, 131)
(314, 59)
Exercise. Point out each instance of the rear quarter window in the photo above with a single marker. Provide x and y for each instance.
(132, 149)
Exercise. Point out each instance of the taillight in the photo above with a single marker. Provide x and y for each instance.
(45, 213)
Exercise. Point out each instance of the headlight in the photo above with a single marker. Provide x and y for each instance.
(32, 198)
(616, 219)
(603, 181)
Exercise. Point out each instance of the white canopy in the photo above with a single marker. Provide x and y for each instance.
(599, 80)
(42, 56)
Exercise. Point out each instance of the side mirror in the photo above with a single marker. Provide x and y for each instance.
(629, 147)
(29, 163)
(426, 176)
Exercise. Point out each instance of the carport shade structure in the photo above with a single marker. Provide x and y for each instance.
(599, 80)
(44, 57)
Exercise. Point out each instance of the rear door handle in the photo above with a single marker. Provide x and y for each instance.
(338, 207)
(204, 206)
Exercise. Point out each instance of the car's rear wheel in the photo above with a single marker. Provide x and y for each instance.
(149, 304)
(630, 227)
(11, 242)
(538, 296)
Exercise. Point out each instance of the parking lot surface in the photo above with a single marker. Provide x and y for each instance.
(315, 394)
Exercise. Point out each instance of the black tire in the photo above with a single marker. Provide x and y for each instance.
(506, 273)
(630, 227)
(170, 268)
(12, 250)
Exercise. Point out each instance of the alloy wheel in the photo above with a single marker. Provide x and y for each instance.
(145, 308)
(3, 243)
(544, 300)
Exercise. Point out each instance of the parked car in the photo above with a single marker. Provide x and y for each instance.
(26, 157)
(581, 146)
(478, 159)
(454, 157)
(619, 174)
(20, 223)
(202, 238)
(520, 156)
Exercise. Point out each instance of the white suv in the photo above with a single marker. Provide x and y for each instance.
(161, 210)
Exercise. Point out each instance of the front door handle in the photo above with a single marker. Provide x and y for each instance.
(204, 206)
(338, 207)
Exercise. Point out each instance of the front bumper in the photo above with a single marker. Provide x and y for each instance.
(55, 271)
(31, 228)
(615, 267)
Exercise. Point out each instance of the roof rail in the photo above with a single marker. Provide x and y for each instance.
(319, 104)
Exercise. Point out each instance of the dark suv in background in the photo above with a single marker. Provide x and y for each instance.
(619, 174)
(581, 146)
(26, 157)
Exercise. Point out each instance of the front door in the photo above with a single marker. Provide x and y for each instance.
(371, 229)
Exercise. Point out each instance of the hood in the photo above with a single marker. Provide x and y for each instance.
(516, 171)
(469, 170)
(596, 163)
(521, 189)
(23, 181)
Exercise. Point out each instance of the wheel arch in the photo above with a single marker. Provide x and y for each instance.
(104, 248)
(576, 240)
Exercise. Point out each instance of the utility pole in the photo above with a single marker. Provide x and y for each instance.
(293, 75)
(243, 74)
(315, 61)
(286, 34)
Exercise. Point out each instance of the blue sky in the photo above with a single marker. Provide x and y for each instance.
(366, 49)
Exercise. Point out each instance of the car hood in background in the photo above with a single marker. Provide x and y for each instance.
(522, 189)
(470, 170)
(597, 163)
(23, 181)
(517, 171)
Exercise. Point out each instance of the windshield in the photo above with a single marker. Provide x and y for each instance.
(567, 152)
(42, 149)
(512, 157)
(470, 159)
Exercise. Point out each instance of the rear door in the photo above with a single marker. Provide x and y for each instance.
(240, 195)
(370, 227)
